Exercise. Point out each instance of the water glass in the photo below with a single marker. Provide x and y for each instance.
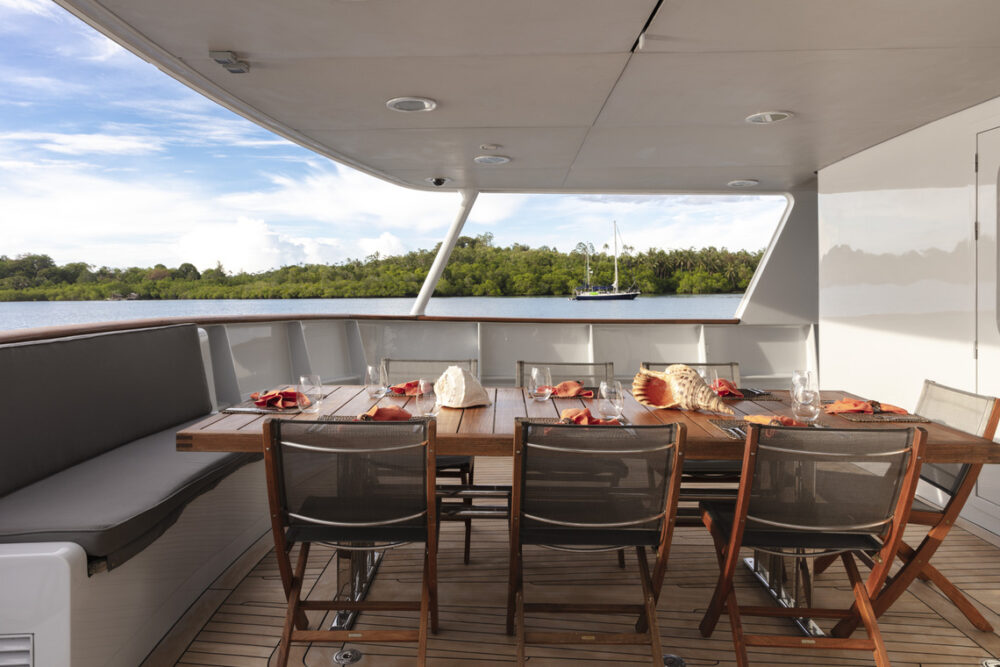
(806, 403)
(540, 383)
(374, 382)
(425, 402)
(310, 392)
(612, 400)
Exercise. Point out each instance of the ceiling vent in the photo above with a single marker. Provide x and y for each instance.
(229, 60)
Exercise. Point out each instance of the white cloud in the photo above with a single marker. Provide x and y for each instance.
(37, 7)
(82, 144)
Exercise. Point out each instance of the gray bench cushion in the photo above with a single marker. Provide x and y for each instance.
(71, 399)
(117, 503)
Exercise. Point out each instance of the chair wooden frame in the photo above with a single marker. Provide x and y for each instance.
(862, 610)
(464, 471)
(296, 623)
(606, 368)
(647, 629)
(916, 561)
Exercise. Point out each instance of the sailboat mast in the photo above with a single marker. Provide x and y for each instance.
(615, 225)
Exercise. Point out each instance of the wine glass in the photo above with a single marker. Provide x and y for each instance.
(612, 402)
(374, 382)
(310, 393)
(540, 383)
(426, 401)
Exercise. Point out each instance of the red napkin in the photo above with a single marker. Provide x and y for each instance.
(866, 407)
(281, 399)
(411, 388)
(772, 420)
(569, 389)
(583, 416)
(724, 387)
(388, 413)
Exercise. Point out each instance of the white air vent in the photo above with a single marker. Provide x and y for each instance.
(16, 651)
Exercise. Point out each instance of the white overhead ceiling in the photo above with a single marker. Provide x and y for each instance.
(557, 84)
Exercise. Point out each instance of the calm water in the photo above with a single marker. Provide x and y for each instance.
(48, 313)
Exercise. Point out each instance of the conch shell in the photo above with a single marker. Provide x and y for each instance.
(679, 386)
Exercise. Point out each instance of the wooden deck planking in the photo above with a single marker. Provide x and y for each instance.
(245, 627)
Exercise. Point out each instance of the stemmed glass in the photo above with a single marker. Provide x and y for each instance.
(374, 382)
(426, 401)
(612, 401)
(805, 396)
(540, 383)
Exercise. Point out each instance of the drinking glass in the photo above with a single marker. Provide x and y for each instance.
(612, 401)
(426, 401)
(805, 396)
(311, 388)
(374, 382)
(540, 383)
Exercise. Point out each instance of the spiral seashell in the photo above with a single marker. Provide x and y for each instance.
(679, 386)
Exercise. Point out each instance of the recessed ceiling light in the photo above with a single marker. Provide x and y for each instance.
(743, 183)
(765, 117)
(438, 181)
(411, 104)
(491, 159)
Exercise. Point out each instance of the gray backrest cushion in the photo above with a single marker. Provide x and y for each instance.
(66, 400)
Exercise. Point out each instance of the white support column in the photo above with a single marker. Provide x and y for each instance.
(444, 253)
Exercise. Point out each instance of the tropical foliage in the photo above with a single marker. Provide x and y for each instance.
(477, 268)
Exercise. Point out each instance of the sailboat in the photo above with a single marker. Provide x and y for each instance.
(603, 293)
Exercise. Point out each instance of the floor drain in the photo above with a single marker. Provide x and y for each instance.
(677, 661)
(347, 656)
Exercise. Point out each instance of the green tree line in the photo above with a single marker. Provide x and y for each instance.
(477, 268)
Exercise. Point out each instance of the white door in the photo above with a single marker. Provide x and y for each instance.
(984, 506)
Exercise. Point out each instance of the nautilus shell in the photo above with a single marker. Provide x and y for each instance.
(679, 386)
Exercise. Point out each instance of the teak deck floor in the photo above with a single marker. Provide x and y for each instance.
(237, 622)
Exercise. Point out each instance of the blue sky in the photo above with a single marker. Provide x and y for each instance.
(105, 160)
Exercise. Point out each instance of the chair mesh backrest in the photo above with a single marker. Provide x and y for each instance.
(595, 477)
(587, 374)
(403, 370)
(828, 480)
(960, 410)
(729, 370)
(352, 473)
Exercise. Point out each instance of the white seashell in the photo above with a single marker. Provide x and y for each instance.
(458, 388)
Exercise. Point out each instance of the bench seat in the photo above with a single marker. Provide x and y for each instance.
(117, 503)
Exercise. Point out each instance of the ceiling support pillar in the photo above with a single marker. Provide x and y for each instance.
(444, 253)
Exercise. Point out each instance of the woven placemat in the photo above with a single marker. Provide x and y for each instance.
(883, 418)
(758, 397)
(248, 407)
(354, 420)
(728, 426)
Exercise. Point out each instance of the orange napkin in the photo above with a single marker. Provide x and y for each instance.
(867, 407)
(411, 388)
(281, 399)
(388, 413)
(772, 420)
(583, 416)
(569, 389)
(724, 387)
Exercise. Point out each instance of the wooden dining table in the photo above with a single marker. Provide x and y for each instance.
(489, 430)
